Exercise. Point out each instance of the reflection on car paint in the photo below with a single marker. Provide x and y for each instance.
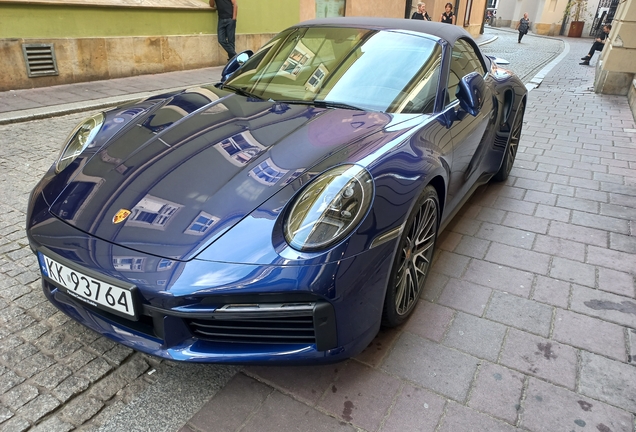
(240, 148)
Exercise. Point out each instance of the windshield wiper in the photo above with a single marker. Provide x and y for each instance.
(322, 104)
(241, 92)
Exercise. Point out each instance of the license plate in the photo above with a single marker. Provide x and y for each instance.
(91, 290)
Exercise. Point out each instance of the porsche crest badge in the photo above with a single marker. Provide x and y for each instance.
(121, 216)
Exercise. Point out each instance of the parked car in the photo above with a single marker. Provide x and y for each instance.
(286, 213)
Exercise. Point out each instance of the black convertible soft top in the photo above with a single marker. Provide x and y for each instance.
(447, 32)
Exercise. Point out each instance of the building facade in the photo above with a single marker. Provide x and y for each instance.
(51, 42)
(617, 63)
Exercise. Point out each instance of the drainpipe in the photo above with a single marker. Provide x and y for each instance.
(407, 10)
(483, 18)
(566, 16)
(457, 11)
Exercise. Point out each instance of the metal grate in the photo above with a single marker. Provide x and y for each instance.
(280, 330)
(604, 15)
(40, 59)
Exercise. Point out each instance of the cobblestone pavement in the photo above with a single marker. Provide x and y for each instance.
(48, 362)
(489, 352)
(526, 58)
(54, 372)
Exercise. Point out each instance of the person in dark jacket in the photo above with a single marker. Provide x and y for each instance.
(226, 30)
(421, 13)
(523, 25)
(598, 45)
(448, 16)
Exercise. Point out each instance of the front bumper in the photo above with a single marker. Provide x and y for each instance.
(250, 314)
(307, 335)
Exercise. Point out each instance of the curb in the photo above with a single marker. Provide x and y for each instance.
(540, 76)
(488, 41)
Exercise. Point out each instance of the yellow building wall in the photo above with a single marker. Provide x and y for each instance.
(56, 19)
(103, 39)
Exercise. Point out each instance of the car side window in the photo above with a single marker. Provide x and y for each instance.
(419, 95)
(464, 60)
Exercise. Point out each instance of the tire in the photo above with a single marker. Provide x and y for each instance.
(412, 260)
(513, 145)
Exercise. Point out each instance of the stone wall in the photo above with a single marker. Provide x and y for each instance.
(547, 29)
(616, 67)
(88, 59)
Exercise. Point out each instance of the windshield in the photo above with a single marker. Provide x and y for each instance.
(371, 70)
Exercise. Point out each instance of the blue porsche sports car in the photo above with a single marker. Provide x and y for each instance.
(286, 213)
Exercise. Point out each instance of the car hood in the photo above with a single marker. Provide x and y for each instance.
(187, 169)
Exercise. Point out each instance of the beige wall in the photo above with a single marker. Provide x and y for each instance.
(549, 21)
(476, 16)
(545, 15)
(620, 55)
(307, 10)
(377, 8)
(617, 63)
(384, 8)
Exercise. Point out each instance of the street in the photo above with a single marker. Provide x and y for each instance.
(533, 284)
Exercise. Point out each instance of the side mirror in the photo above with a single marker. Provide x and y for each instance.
(235, 63)
(470, 93)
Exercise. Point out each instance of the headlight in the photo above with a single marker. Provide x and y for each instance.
(329, 208)
(78, 140)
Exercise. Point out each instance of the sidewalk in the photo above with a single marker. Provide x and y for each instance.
(529, 316)
(31, 104)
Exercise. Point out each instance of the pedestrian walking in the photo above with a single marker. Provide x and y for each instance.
(421, 13)
(448, 16)
(598, 45)
(523, 25)
(226, 29)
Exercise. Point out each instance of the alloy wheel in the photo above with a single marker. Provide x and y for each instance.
(515, 136)
(415, 257)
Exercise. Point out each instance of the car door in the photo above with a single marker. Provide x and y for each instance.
(466, 131)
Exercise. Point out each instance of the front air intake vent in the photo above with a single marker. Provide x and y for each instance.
(280, 330)
(304, 323)
(40, 59)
